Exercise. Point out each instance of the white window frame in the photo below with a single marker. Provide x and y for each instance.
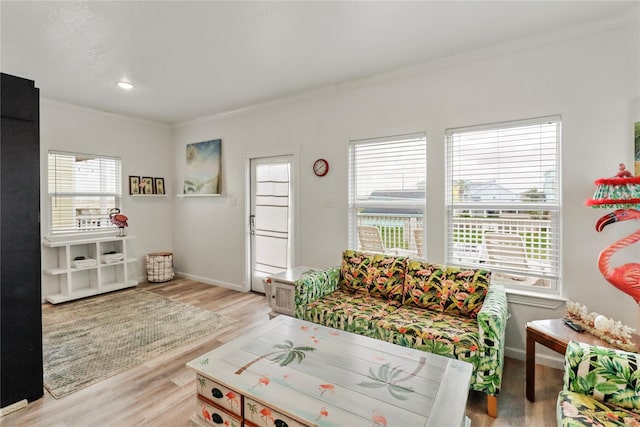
(414, 206)
(542, 271)
(81, 217)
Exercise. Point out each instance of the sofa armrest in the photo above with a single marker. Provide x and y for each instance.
(608, 375)
(492, 324)
(315, 285)
(493, 316)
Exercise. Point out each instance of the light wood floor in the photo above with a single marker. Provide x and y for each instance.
(161, 392)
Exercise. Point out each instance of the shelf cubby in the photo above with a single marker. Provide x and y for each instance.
(80, 282)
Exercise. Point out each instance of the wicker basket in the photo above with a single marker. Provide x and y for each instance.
(160, 267)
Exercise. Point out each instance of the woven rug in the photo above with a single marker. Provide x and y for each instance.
(89, 340)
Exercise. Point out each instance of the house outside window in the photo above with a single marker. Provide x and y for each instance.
(83, 188)
(503, 201)
(387, 183)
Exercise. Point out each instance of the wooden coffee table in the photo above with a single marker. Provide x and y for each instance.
(290, 372)
(554, 334)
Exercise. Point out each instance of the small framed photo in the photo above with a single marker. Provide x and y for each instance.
(159, 183)
(146, 185)
(134, 184)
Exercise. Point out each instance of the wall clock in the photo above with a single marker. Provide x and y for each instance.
(320, 167)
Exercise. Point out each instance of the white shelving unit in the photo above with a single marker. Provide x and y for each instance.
(83, 282)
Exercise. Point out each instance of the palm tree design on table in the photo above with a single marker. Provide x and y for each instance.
(253, 409)
(284, 355)
(388, 376)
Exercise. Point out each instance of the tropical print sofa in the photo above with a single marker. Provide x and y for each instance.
(601, 387)
(450, 311)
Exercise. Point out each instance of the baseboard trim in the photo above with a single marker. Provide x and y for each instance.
(13, 407)
(208, 281)
(556, 362)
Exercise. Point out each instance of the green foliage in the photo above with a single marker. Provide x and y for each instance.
(435, 347)
(606, 388)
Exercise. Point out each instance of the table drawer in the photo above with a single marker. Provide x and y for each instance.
(258, 415)
(220, 395)
(212, 415)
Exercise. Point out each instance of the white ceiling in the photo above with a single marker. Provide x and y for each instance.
(193, 59)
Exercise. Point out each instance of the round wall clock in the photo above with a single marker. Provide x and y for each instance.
(320, 167)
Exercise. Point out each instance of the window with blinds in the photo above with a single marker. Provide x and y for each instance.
(503, 201)
(387, 182)
(83, 188)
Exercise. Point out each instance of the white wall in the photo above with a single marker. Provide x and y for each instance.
(588, 76)
(143, 147)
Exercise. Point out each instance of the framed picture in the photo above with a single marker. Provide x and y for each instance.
(159, 183)
(202, 168)
(134, 184)
(146, 185)
(636, 139)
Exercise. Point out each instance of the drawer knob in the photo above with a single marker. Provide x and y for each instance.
(216, 393)
(215, 418)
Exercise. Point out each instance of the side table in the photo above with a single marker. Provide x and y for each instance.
(554, 334)
(280, 290)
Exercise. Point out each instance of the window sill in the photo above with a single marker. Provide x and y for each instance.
(535, 299)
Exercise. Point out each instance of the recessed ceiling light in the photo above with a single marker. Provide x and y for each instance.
(125, 85)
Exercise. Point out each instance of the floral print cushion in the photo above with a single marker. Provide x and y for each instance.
(608, 375)
(423, 285)
(380, 275)
(386, 275)
(354, 271)
(348, 312)
(450, 336)
(578, 410)
(452, 290)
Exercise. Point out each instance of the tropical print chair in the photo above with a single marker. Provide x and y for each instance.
(601, 387)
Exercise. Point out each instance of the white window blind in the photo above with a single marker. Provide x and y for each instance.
(387, 182)
(503, 204)
(82, 190)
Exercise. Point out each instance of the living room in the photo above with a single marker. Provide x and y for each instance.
(585, 72)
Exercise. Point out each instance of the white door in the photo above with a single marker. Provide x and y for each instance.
(270, 218)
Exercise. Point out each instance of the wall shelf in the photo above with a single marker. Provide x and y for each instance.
(81, 282)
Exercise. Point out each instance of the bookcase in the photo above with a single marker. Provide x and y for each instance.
(83, 281)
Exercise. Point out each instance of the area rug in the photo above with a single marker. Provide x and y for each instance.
(86, 341)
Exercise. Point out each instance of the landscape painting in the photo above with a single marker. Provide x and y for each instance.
(202, 168)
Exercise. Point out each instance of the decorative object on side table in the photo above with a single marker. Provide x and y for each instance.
(623, 192)
(609, 330)
(119, 220)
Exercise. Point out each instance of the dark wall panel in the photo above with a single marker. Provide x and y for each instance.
(20, 287)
